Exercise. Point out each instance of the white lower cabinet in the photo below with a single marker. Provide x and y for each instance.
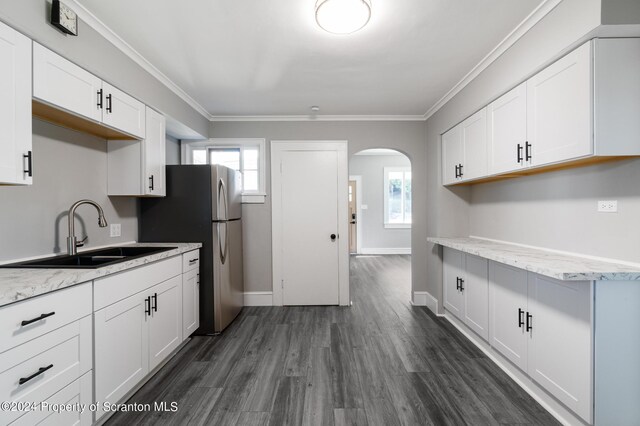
(466, 289)
(138, 325)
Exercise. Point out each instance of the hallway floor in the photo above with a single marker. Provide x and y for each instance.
(381, 361)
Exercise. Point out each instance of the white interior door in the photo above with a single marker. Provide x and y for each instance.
(310, 188)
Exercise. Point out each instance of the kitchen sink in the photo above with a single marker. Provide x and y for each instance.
(90, 259)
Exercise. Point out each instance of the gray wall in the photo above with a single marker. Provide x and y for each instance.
(373, 233)
(617, 12)
(406, 137)
(68, 166)
(172, 151)
(94, 53)
(467, 211)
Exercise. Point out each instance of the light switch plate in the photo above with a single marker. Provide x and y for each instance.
(116, 230)
(608, 206)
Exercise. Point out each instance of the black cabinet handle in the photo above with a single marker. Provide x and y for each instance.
(192, 261)
(99, 99)
(457, 172)
(529, 322)
(519, 153)
(147, 305)
(527, 151)
(461, 284)
(520, 319)
(151, 182)
(458, 283)
(109, 106)
(40, 318)
(460, 169)
(155, 302)
(29, 169)
(41, 370)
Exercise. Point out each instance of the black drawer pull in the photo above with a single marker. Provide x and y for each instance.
(519, 153)
(40, 318)
(147, 305)
(460, 170)
(520, 319)
(29, 157)
(155, 302)
(41, 370)
(461, 284)
(529, 322)
(151, 186)
(109, 106)
(527, 151)
(192, 261)
(99, 99)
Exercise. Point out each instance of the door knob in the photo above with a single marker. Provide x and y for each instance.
(333, 237)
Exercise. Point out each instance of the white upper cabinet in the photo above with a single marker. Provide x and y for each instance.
(137, 168)
(452, 155)
(474, 146)
(154, 147)
(16, 167)
(507, 131)
(559, 110)
(123, 112)
(65, 85)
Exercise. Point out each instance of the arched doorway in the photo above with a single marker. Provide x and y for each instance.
(380, 206)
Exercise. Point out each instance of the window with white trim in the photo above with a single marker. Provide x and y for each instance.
(244, 155)
(397, 197)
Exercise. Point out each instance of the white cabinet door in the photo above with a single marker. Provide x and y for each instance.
(123, 112)
(453, 273)
(476, 295)
(121, 348)
(15, 107)
(507, 131)
(559, 109)
(153, 155)
(190, 302)
(65, 85)
(452, 155)
(165, 327)
(474, 146)
(560, 347)
(507, 312)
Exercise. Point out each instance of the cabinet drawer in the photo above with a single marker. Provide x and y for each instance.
(190, 261)
(65, 353)
(67, 305)
(78, 392)
(116, 287)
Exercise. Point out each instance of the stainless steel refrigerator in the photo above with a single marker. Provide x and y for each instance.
(203, 204)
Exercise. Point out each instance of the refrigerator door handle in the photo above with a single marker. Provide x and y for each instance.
(222, 198)
(222, 246)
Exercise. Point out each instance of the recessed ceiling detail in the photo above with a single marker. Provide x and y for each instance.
(342, 16)
(257, 58)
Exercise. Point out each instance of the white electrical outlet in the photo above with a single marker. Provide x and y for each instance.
(609, 206)
(116, 230)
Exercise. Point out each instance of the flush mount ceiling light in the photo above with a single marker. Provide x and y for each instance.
(342, 16)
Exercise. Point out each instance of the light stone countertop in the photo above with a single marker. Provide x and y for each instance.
(19, 284)
(544, 262)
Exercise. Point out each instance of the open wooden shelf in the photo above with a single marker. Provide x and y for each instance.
(71, 121)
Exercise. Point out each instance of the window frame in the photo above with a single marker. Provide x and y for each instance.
(248, 197)
(386, 171)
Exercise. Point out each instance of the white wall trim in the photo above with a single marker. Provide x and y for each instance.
(520, 30)
(318, 118)
(424, 298)
(101, 28)
(389, 250)
(258, 298)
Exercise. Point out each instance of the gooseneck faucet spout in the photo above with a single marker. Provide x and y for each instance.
(72, 242)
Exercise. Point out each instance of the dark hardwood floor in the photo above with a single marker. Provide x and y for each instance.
(378, 362)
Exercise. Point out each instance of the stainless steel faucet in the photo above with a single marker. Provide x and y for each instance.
(72, 242)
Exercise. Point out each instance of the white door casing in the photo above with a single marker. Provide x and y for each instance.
(310, 202)
(358, 180)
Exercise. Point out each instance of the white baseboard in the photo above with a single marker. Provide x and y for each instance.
(401, 250)
(424, 298)
(258, 298)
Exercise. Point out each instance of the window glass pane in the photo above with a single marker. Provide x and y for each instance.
(229, 157)
(407, 197)
(395, 197)
(250, 159)
(199, 156)
(250, 180)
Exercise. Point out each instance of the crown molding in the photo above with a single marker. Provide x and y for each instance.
(223, 118)
(520, 30)
(106, 32)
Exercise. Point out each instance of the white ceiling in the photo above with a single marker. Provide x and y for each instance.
(268, 57)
